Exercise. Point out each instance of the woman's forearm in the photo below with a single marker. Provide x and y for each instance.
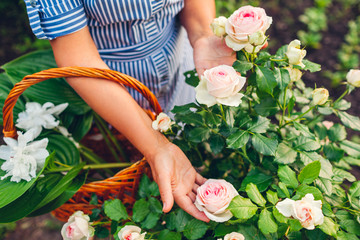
(196, 17)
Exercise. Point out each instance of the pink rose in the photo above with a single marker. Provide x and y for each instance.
(220, 84)
(307, 210)
(243, 23)
(234, 236)
(162, 123)
(78, 227)
(130, 232)
(214, 197)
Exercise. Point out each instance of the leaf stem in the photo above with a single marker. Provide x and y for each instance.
(342, 96)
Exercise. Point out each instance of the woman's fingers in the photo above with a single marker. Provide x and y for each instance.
(188, 206)
(200, 180)
(166, 194)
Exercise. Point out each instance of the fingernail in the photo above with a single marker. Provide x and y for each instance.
(164, 206)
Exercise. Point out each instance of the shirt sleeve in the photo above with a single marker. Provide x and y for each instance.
(50, 19)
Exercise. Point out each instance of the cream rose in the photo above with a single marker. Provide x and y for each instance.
(295, 74)
(218, 26)
(295, 54)
(353, 77)
(220, 84)
(214, 197)
(162, 123)
(320, 96)
(234, 236)
(307, 211)
(243, 23)
(130, 232)
(78, 227)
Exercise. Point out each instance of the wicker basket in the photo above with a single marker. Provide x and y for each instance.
(122, 185)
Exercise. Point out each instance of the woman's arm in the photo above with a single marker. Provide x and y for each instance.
(171, 169)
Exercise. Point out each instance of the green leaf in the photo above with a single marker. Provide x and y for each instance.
(311, 66)
(101, 232)
(342, 105)
(150, 221)
(306, 144)
(242, 208)
(166, 235)
(351, 148)
(272, 197)
(288, 176)
(267, 107)
(254, 194)
(191, 78)
(354, 190)
(349, 120)
(264, 145)
(267, 223)
(191, 118)
(332, 152)
(155, 205)
(283, 188)
(251, 232)
(80, 124)
(115, 210)
(285, 154)
(65, 150)
(346, 236)
(337, 133)
(282, 77)
(325, 185)
(223, 229)
(304, 130)
(181, 219)
(195, 229)
(265, 79)
(350, 226)
(261, 180)
(302, 190)
(217, 143)
(329, 227)
(259, 125)
(199, 134)
(184, 109)
(237, 139)
(295, 225)
(279, 217)
(140, 210)
(147, 188)
(310, 172)
(242, 66)
(340, 175)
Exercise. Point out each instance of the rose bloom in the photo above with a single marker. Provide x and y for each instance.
(243, 23)
(78, 227)
(214, 197)
(295, 74)
(307, 211)
(320, 96)
(234, 236)
(295, 54)
(218, 26)
(353, 77)
(130, 232)
(220, 84)
(162, 123)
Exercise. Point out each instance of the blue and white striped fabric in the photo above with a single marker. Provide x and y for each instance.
(141, 38)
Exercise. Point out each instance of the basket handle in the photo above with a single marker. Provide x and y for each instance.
(9, 129)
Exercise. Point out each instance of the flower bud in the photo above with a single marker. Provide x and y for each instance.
(295, 74)
(162, 123)
(353, 77)
(257, 39)
(130, 232)
(78, 227)
(218, 26)
(295, 54)
(234, 236)
(320, 96)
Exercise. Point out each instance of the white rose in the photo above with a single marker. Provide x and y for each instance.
(307, 211)
(295, 74)
(295, 54)
(78, 227)
(221, 85)
(218, 26)
(320, 96)
(162, 123)
(214, 197)
(234, 236)
(353, 77)
(130, 232)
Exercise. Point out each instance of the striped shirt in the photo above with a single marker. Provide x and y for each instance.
(141, 38)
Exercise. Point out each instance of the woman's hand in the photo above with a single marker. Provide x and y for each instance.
(211, 51)
(177, 179)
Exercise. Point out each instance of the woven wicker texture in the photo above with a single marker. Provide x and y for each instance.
(122, 185)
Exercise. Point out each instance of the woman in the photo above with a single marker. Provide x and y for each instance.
(145, 39)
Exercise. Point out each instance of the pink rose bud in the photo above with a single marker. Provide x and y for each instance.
(218, 26)
(221, 85)
(130, 232)
(328, 124)
(214, 197)
(162, 123)
(307, 211)
(234, 236)
(320, 96)
(353, 77)
(295, 54)
(78, 227)
(243, 23)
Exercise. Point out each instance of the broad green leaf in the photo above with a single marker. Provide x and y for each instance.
(350, 225)
(311, 66)
(310, 172)
(272, 197)
(140, 210)
(337, 133)
(329, 227)
(261, 180)
(282, 77)
(191, 118)
(325, 185)
(80, 124)
(278, 216)
(223, 229)
(284, 189)
(242, 208)
(237, 139)
(288, 176)
(350, 121)
(254, 194)
(251, 232)
(199, 134)
(267, 223)
(306, 144)
(216, 143)
(65, 150)
(155, 205)
(265, 79)
(259, 125)
(242, 66)
(56, 91)
(166, 235)
(346, 236)
(150, 221)
(184, 109)
(267, 107)
(304, 130)
(191, 78)
(195, 229)
(144, 184)
(333, 153)
(352, 161)
(354, 190)
(264, 145)
(351, 148)
(302, 190)
(101, 232)
(212, 118)
(285, 154)
(340, 175)
(295, 225)
(181, 219)
(115, 210)
(342, 105)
